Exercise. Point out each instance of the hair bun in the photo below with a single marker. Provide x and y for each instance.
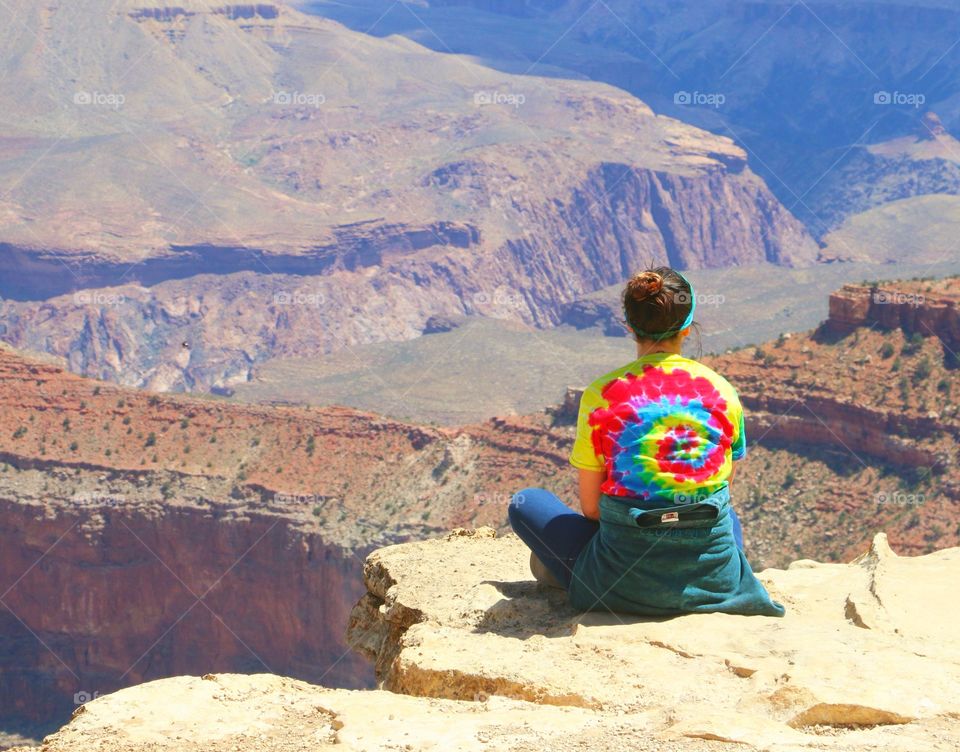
(644, 285)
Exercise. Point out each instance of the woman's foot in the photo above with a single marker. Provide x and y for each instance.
(542, 574)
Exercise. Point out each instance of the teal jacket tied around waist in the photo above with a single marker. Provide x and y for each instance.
(667, 567)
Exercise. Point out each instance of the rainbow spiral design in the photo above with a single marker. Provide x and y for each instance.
(663, 433)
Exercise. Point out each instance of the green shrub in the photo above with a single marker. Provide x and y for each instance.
(913, 345)
(922, 371)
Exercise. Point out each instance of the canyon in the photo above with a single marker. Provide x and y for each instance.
(148, 536)
(343, 190)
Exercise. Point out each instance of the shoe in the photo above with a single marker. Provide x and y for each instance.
(542, 574)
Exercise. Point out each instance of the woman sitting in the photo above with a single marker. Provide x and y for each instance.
(655, 446)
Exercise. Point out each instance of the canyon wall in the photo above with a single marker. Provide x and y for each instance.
(144, 536)
(102, 597)
(617, 220)
(894, 306)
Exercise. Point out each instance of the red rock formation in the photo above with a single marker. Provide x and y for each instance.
(898, 306)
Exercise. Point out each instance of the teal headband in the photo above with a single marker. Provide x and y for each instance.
(660, 336)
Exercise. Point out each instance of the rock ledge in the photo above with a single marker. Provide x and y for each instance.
(479, 656)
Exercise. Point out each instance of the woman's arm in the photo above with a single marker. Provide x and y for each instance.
(590, 481)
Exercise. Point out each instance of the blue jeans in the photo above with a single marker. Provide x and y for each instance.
(557, 534)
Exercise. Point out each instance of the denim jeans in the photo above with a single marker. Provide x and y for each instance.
(557, 534)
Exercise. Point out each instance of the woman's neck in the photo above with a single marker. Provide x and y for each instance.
(649, 348)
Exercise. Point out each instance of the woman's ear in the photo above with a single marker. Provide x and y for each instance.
(685, 332)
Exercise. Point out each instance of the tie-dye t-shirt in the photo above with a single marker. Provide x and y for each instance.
(663, 426)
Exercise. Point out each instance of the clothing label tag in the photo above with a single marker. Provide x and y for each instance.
(670, 517)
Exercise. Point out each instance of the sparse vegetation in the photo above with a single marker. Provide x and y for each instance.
(151, 439)
(913, 345)
(922, 371)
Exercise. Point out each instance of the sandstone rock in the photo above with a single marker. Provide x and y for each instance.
(867, 644)
(499, 663)
(267, 713)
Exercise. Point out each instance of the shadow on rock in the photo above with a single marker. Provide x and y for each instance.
(529, 608)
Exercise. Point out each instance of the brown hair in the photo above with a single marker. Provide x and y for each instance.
(656, 302)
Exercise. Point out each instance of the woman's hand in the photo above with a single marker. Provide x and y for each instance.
(590, 482)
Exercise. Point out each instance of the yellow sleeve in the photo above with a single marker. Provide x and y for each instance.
(582, 455)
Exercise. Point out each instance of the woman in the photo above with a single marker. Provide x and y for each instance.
(655, 446)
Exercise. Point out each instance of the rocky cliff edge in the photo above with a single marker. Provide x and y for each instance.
(475, 655)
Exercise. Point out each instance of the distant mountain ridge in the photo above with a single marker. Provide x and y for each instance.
(802, 86)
